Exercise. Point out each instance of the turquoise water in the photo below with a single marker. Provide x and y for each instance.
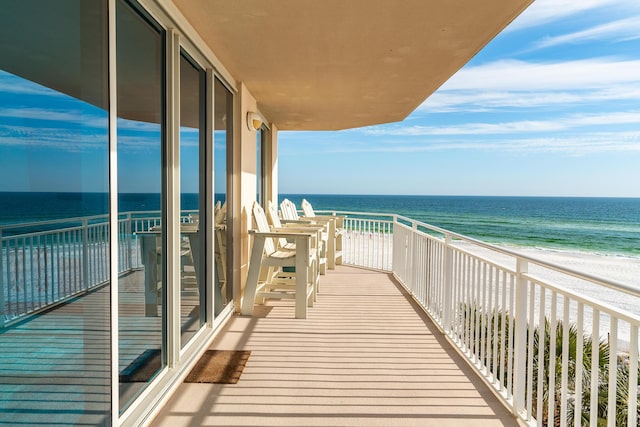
(598, 225)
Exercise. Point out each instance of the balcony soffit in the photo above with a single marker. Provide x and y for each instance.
(335, 64)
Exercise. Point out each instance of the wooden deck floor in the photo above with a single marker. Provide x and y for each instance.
(365, 356)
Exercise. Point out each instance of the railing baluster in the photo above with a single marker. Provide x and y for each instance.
(552, 358)
(510, 348)
(467, 304)
(613, 371)
(503, 333)
(129, 237)
(578, 391)
(31, 293)
(541, 352)
(24, 275)
(530, 350)
(495, 318)
(564, 378)
(448, 284)
(595, 366)
(520, 350)
(85, 254)
(632, 397)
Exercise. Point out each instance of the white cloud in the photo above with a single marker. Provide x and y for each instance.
(56, 138)
(544, 11)
(523, 126)
(573, 145)
(534, 76)
(623, 29)
(132, 125)
(479, 101)
(76, 117)
(522, 84)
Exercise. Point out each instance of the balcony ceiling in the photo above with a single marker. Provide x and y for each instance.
(336, 64)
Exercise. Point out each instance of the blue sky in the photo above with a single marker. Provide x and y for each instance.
(551, 107)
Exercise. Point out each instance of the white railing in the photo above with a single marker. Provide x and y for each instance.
(366, 241)
(495, 305)
(508, 312)
(62, 259)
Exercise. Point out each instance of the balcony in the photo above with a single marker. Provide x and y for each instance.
(419, 326)
(366, 355)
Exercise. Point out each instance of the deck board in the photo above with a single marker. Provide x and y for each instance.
(365, 356)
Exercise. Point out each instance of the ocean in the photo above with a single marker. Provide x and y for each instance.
(595, 225)
(584, 224)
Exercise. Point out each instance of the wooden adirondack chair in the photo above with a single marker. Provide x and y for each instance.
(338, 227)
(289, 212)
(276, 224)
(267, 277)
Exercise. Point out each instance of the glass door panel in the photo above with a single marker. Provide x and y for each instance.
(223, 164)
(141, 236)
(192, 248)
(55, 323)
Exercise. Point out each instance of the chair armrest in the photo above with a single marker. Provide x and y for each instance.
(278, 234)
(295, 221)
(299, 227)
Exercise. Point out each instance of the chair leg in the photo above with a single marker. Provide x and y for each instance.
(252, 277)
(301, 283)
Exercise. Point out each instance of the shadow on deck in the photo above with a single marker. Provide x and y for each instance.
(365, 356)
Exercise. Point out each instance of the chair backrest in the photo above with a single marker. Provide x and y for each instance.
(307, 209)
(263, 225)
(220, 213)
(274, 220)
(289, 211)
(272, 214)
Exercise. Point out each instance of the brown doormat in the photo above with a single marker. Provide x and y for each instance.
(219, 366)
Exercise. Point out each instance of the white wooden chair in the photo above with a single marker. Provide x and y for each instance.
(334, 240)
(338, 227)
(276, 224)
(266, 277)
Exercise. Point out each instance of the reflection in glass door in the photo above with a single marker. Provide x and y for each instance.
(223, 165)
(55, 288)
(192, 121)
(141, 237)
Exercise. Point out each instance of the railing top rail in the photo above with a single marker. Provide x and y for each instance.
(139, 215)
(347, 213)
(52, 221)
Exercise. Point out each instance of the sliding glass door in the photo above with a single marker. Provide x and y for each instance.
(55, 323)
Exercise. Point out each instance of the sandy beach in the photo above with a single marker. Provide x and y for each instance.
(620, 269)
